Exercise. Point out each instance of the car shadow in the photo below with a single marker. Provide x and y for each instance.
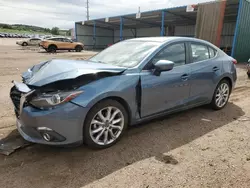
(57, 52)
(76, 167)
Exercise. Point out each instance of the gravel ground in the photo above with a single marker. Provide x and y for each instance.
(196, 148)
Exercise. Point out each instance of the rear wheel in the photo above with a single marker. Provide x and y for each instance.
(25, 44)
(105, 124)
(248, 74)
(221, 95)
(78, 48)
(52, 49)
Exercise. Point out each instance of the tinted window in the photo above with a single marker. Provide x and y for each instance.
(34, 39)
(57, 39)
(212, 52)
(66, 40)
(199, 52)
(175, 53)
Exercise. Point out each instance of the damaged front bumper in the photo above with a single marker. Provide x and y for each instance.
(62, 125)
(59, 126)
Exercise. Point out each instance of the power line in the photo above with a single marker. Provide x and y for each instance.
(87, 9)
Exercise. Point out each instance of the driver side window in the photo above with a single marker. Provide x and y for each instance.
(175, 53)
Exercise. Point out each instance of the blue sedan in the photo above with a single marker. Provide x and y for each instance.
(63, 102)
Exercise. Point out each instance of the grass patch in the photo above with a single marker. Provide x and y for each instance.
(2, 30)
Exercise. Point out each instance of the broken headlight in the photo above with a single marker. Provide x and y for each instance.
(47, 101)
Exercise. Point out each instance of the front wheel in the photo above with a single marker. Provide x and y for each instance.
(221, 95)
(78, 48)
(52, 49)
(105, 124)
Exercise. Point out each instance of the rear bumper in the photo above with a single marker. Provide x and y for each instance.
(64, 124)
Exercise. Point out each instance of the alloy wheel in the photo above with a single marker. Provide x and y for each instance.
(107, 125)
(222, 95)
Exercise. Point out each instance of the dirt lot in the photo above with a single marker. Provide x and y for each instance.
(197, 148)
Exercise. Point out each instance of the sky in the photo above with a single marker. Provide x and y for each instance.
(64, 13)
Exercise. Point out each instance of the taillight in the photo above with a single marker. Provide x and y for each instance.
(235, 61)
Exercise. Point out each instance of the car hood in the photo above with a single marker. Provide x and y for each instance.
(57, 70)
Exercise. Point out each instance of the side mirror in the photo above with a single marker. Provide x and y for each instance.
(163, 65)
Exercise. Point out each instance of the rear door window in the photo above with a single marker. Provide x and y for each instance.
(66, 40)
(57, 39)
(199, 52)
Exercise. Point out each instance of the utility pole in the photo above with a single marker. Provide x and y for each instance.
(87, 9)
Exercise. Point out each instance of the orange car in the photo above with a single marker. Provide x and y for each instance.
(60, 43)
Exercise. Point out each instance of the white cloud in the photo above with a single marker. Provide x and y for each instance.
(64, 13)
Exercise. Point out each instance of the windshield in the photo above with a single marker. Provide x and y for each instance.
(126, 53)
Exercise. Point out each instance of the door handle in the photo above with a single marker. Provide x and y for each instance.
(215, 69)
(184, 77)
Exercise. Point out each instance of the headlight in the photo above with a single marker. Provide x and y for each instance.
(47, 101)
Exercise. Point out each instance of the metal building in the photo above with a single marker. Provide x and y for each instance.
(224, 23)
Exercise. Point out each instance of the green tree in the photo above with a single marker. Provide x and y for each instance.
(6, 26)
(55, 31)
(68, 33)
(47, 30)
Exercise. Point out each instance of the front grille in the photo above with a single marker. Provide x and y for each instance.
(15, 96)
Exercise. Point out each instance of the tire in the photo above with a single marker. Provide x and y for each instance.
(78, 48)
(92, 140)
(215, 104)
(25, 44)
(52, 49)
(248, 74)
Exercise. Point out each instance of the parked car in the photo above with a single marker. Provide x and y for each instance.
(62, 102)
(29, 42)
(47, 36)
(248, 68)
(60, 43)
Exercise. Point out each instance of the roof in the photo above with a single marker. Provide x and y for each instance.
(156, 39)
(59, 37)
(176, 15)
(168, 39)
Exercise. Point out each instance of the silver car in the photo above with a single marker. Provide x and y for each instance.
(29, 42)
